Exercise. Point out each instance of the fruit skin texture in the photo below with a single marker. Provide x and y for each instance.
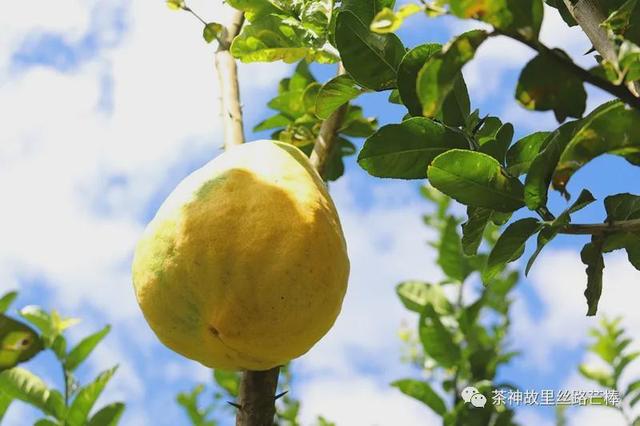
(245, 264)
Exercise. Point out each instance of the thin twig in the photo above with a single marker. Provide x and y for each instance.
(325, 143)
(632, 225)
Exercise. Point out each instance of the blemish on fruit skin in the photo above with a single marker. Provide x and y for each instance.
(214, 331)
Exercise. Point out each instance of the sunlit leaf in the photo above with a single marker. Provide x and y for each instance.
(335, 93)
(475, 179)
(211, 31)
(109, 415)
(522, 153)
(415, 295)
(6, 300)
(83, 349)
(85, 399)
(21, 384)
(405, 150)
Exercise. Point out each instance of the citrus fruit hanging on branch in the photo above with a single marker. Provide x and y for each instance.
(245, 265)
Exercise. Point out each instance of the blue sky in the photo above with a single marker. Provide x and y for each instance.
(108, 106)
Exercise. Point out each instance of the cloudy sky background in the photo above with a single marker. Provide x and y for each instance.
(107, 105)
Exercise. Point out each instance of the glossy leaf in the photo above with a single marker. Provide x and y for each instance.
(371, 59)
(21, 384)
(437, 78)
(415, 295)
(255, 8)
(405, 150)
(475, 179)
(521, 154)
(591, 256)
(612, 129)
(85, 399)
(510, 245)
(109, 415)
(423, 392)
(83, 349)
(560, 91)
(335, 93)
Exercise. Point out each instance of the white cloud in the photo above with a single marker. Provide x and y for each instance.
(362, 402)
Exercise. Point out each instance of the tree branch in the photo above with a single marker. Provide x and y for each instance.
(327, 137)
(256, 403)
(619, 91)
(229, 88)
(602, 228)
(589, 15)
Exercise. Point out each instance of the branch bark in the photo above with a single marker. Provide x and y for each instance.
(632, 225)
(256, 402)
(621, 92)
(327, 137)
(589, 15)
(229, 87)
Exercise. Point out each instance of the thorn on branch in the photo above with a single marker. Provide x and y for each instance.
(233, 404)
(280, 395)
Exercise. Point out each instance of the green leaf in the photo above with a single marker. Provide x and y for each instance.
(437, 340)
(613, 128)
(335, 165)
(561, 91)
(366, 10)
(85, 399)
(21, 384)
(18, 342)
(512, 16)
(228, 380)
(621, 207)
(254, 8)
(591, 256)
(423, 392)
(523, 152)
(603, 377)
(405, 150)
(6, 300)
(624, 21)
(450, 256)
(335, 93)
(564, 11)
(632, 387)
(274, 122)
(388, 21)
(473, 229)
(550, 232)
(356, 125)
(189, 402)
(109, 415)
(371, 59)
(498, 145)
(5, 402)
(437, 78)
(83, 349)
(176, 4)
(510, 245)
(415, 295)
(272, 38)
(410, 66)
(46, 422)
(542, 167)
(211, 31)
(475, 179)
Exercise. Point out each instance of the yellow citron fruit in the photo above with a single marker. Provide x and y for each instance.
(245, 264)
